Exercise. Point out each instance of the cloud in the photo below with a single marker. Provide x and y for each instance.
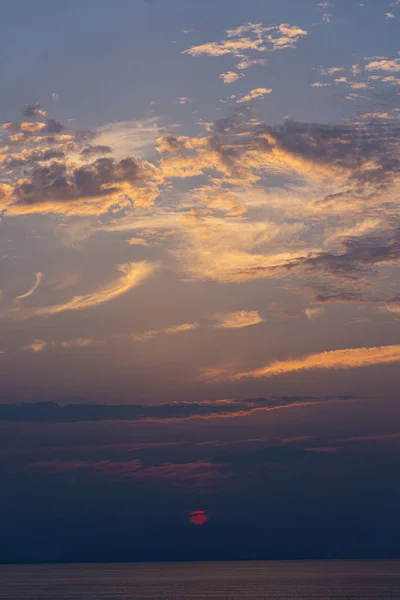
(254, 94)
(183, 100)
(330, 70)
(67, 174)
(385, 64)
(246, 63)
(318, 84)
(36, 346)
(56, 413)
(183, 473)
(25, 126)
(34, 110)
(41, 345)
(132, 275)
(314, 313)
(132, 138)
(135, 241)
(32, 290)
(238, 319)
(229, 77)
(349, 358)
(50, 126)
(360, 255)
(253, 37)
(96, 150)
(94, 188)
(148, 335)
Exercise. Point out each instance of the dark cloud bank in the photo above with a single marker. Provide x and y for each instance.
(51, 411)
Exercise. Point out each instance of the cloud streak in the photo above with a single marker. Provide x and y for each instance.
(32, 290)
(349, 358)
(238, 319)
(132, 275)
(151, 333)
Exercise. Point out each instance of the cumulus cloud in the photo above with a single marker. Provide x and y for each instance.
(246, 63)
(96, 150)
(254, 94)
(132, 275)
(229, 77)
(238, 319)
(58, 173)
(385, 64)
(34, 110)
(94, 188)
(253, 37)
(183, 100)
(349, 358)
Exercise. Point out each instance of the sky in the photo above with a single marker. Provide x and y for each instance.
(199, 284)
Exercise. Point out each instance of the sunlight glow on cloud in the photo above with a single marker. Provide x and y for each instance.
(32, 290)
(238, 319)
(133, 274)
(253, 37)
(254, 94)
(151, 333)
(229, 77)
(349, 358)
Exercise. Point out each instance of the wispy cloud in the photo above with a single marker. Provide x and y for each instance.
(349, 358)
(32, 290)
(51, 411)
(41, 345)
(133, 274)
(238, 319)
(151, 333)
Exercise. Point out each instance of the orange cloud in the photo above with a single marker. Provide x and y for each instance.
(349, 358)
(133, 274)
(384, 65)
(32, 290)
(238, 319)
(148, 335)
(229, 77)
(254, 94)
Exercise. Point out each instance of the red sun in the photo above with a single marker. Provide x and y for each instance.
(198, 517)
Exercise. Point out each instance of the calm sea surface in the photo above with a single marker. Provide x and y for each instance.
(335, 580)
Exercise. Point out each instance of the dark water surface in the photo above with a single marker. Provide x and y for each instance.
(311, 580)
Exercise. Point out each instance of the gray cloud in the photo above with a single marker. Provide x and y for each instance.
(53, 412)
(34, 110)
(94, 150)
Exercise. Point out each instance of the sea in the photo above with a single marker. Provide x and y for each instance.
(305, 580)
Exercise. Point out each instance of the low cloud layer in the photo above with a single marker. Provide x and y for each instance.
(52, 412)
